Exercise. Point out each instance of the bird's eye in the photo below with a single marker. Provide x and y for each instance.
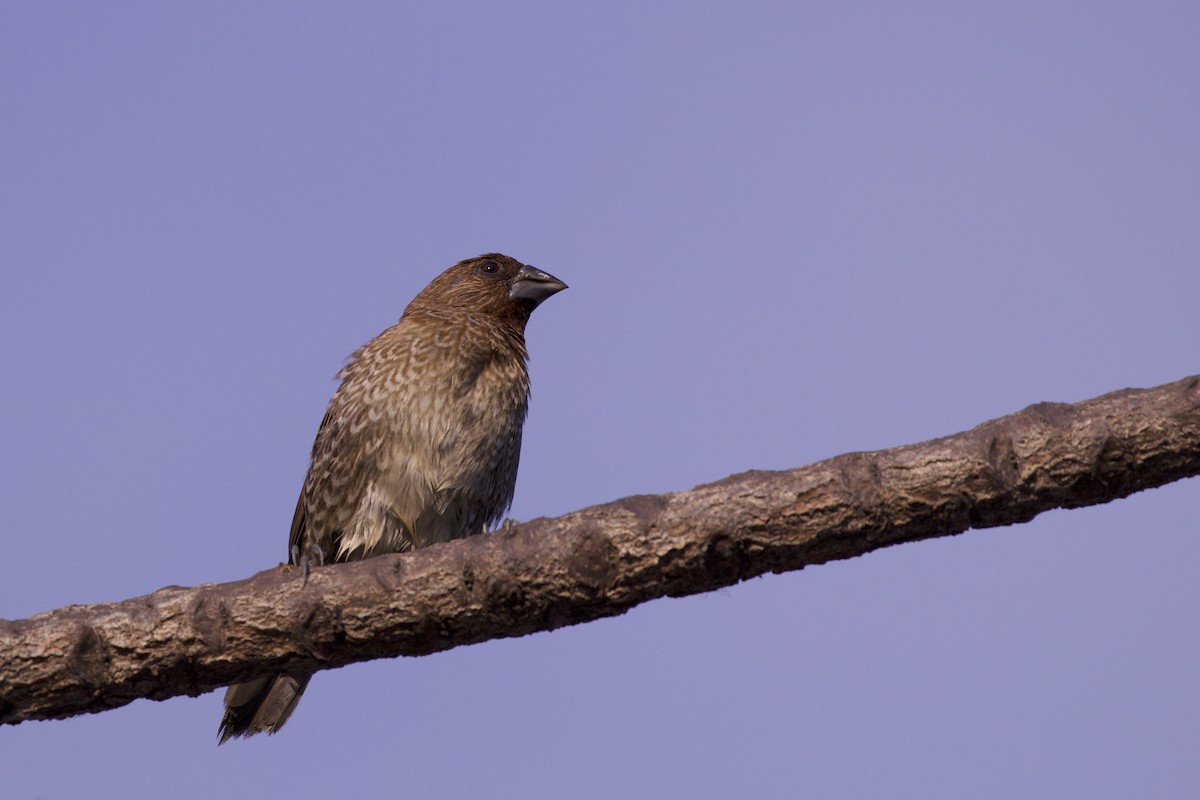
(489, 268)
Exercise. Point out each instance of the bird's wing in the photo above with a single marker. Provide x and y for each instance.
(300, 540)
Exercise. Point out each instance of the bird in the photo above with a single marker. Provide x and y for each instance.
(419, 444)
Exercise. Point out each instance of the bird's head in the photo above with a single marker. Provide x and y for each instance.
(492, 284)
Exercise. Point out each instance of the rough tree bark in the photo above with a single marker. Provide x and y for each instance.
(600, 561)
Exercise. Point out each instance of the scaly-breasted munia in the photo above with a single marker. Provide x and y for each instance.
(420, 442)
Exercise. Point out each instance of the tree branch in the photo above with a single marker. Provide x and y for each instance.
(600, 561)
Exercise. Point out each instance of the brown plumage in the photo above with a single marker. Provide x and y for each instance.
(420, 442)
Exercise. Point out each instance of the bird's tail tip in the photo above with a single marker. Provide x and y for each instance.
(261, 705)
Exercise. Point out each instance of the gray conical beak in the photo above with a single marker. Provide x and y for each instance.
(530, 283)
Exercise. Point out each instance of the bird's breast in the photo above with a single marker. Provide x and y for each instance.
(448, 459)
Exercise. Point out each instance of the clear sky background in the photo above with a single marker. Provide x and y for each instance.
(790, 230)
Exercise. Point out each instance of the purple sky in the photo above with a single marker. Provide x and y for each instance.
(789, 233)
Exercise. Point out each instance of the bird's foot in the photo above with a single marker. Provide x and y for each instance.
(313, 556)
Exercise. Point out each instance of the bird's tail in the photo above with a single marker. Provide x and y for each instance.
(262, 704)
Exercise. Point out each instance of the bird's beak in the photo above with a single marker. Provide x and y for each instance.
(530, 283)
